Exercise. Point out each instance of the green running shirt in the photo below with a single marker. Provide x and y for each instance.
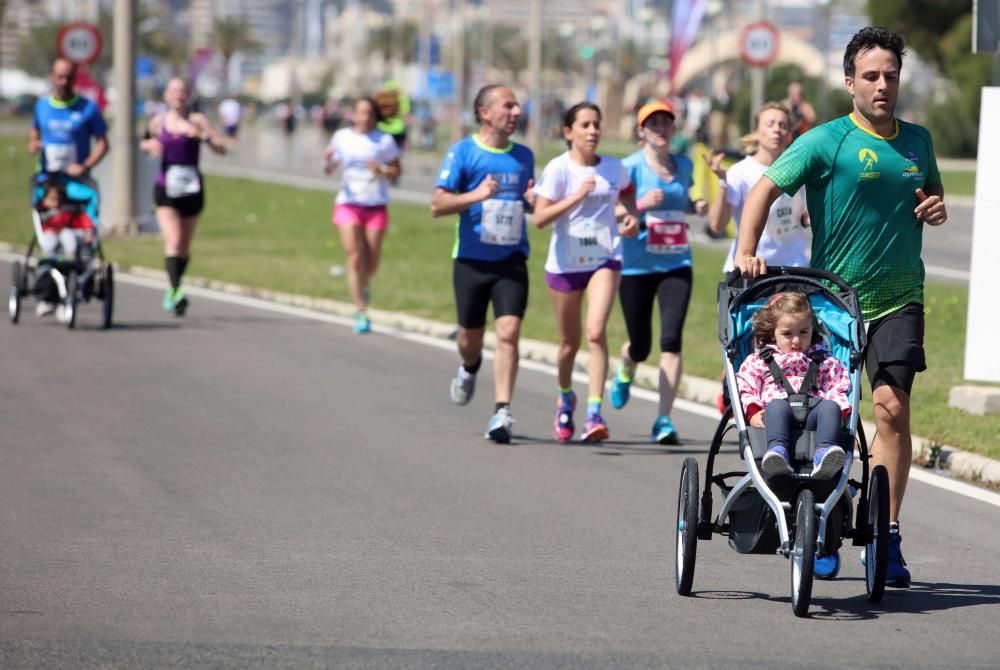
(860, 194)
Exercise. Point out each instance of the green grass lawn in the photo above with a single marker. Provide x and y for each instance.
(281, 238)
(958, 182)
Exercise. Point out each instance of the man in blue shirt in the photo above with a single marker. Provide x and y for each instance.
(486, 179)
(69, 131)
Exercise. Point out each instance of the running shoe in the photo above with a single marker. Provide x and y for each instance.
(897, 575)
(180, 302)
(826, 566)
(500, 427)
(663, 431)
(619, 392)
(463, 386)
(594, 429)
(168, 300)
(828, 461)
(62, 314)
(775, 462)
(563, 426)
(45, 308)
(362, 324)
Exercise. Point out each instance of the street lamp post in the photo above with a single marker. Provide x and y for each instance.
(535, 69)
(123, 153)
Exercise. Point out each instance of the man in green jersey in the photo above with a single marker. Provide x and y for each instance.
(871, 183)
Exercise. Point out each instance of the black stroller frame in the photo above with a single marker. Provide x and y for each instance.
(794, 515)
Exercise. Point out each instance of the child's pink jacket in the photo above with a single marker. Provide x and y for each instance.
(757, 387)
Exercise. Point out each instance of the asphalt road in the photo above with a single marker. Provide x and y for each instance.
(266, 153)
(256, 487)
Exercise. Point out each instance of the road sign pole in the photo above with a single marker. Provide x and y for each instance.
(123, 146)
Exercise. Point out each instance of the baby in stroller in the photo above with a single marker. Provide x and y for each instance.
(64, 226)
(794, 378)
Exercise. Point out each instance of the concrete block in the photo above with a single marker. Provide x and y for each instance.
(980, 400)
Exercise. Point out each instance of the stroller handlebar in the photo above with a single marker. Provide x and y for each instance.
(782, 270)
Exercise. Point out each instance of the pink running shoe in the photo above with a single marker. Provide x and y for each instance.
(563, 426)
(594, 429)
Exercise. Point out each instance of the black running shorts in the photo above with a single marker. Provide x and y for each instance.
(895, 351)
(478, 283)
(189, 205)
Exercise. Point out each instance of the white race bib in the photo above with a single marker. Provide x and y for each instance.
(59, 156)
(781, 223)
(362, 185)
(666, 232)
(502, 222)
(589, 244)
(182, 180)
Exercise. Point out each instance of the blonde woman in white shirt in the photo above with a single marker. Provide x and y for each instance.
(577, 194)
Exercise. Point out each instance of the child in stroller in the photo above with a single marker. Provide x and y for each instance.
(794, 378)
(64, 225)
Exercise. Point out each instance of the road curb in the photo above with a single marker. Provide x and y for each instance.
(927, 453)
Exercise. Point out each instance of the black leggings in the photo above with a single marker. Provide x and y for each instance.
(637, 292)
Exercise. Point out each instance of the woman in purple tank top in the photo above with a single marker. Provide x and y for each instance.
(175, 137)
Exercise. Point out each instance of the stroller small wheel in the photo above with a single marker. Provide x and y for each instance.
(14, 301)
(803, 552)
(877, 550)
(108, 295)
(72, 299)
(687, 526)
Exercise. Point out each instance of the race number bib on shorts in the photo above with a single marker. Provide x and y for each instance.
(362, 184)
(182, 180)
(58, 157)
(666, 232)
(502, 222)
(589, 244)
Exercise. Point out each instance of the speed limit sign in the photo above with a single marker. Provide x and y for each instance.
(79, 43)
(759, 44)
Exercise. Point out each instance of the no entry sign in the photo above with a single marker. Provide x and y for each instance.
(79, 43)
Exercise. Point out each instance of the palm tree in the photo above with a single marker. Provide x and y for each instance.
(232, 34)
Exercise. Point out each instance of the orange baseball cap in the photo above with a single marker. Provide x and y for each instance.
(651, 108)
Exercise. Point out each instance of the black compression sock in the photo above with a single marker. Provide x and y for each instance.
(474, 368)
(184, 264)
(174, 270)
(502, 405)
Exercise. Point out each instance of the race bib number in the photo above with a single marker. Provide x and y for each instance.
(502, 222)
(781, 223)
(589, 244)
(182, 180)
(362, 184)
(59, 156)
(666, 232)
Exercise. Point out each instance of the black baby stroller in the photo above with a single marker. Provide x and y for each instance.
(65, 281)
(794, 515)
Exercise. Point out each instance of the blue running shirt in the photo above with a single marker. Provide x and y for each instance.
(502, 231)
(662, 245)
(66, 129)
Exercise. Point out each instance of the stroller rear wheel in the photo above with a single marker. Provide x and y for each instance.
(16, 292)
(108, 295)
(877, 549)
(803, 552)
(72, 299)
(687, 526)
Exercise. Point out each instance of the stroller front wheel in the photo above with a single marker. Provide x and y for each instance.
(72, 299)
(687, 526)
(14, 300)
(803, 552)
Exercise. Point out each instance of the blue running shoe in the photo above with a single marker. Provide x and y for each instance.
(664, 431)
(361, 323)
(501, 426)
(826, 566)
(775, 462)
(619, 392)
(896, 574)
(828, 461)
(168, 300)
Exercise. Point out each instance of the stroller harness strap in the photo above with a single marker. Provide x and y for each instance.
(800, 401)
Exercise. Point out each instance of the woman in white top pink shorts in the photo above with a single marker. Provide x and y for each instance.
(369, 160)
(577, 193)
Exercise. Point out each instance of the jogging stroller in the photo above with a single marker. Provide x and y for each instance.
(60, 279)
(795, 515)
